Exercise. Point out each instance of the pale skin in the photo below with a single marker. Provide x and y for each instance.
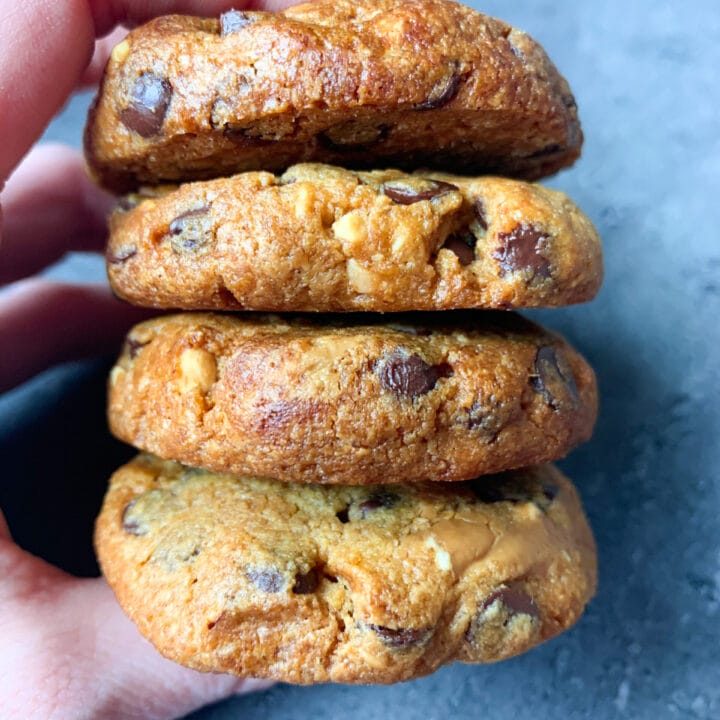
(67, 649)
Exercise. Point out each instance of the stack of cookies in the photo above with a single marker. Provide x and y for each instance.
(348, 496)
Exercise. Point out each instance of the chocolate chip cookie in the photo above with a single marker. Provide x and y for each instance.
(358, 585)
(357, 400)
(321, 238)
(358, 83)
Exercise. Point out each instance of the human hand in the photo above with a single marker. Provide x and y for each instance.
(68, 651)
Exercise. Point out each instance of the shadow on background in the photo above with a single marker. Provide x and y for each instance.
(57, 458)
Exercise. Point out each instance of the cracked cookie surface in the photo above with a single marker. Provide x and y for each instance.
(400, 83)
(321, 238)
(350, 584)
(359, 399)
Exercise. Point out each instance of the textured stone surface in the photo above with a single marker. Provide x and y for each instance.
(645, 75)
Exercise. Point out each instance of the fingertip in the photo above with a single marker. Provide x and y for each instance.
(50, 207)
(103, 48)
(50, 322)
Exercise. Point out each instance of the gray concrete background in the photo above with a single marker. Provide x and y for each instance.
(645, 77)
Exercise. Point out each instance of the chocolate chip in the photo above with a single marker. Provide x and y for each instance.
(521, 249)
(550, 491)
(127, 202)
(131, 525)
(407, 192)
(354, 135)
(442, 93)
(133, 346)
(400, 638)
(306, 583)
(480, 213)
(343, 515)
(514, 598)
(268, 580)
(280, 416)
(490, 629)
(379, 499)
(218, 619)
(548, 150)
(191, 230)
(569, 101)
(234, 20)
(488, 416)
(553, 377)
(410, 375)
(476, 416)
(149, 100)
(463, 245)
(121, 255)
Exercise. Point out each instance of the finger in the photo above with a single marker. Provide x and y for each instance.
(69, 651)
(101, 53)
(104, 46)
(49, 207)
(108, 14)
(38, 35)
(43, 323)
(139, 674)
(4, 529)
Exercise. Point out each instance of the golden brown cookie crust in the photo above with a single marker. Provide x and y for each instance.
(321, 238)
(362, 585)
(400, 83)
(354, 400)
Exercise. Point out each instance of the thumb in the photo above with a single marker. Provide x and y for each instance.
(70, 652)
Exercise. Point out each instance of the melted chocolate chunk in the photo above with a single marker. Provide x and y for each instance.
(407, 192)
(553, 377)
(191, 230)
(463, 245)
(521, 249)
(150, 97)
(442, 93)
(480, 213)
(268, 580)
(514, 598)
(131, 525)
(550, 491)
(121, 255)
(400, 638)
(379, 499)
(234, 20)
(306, 583)
(409, 375)
(548, 150)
